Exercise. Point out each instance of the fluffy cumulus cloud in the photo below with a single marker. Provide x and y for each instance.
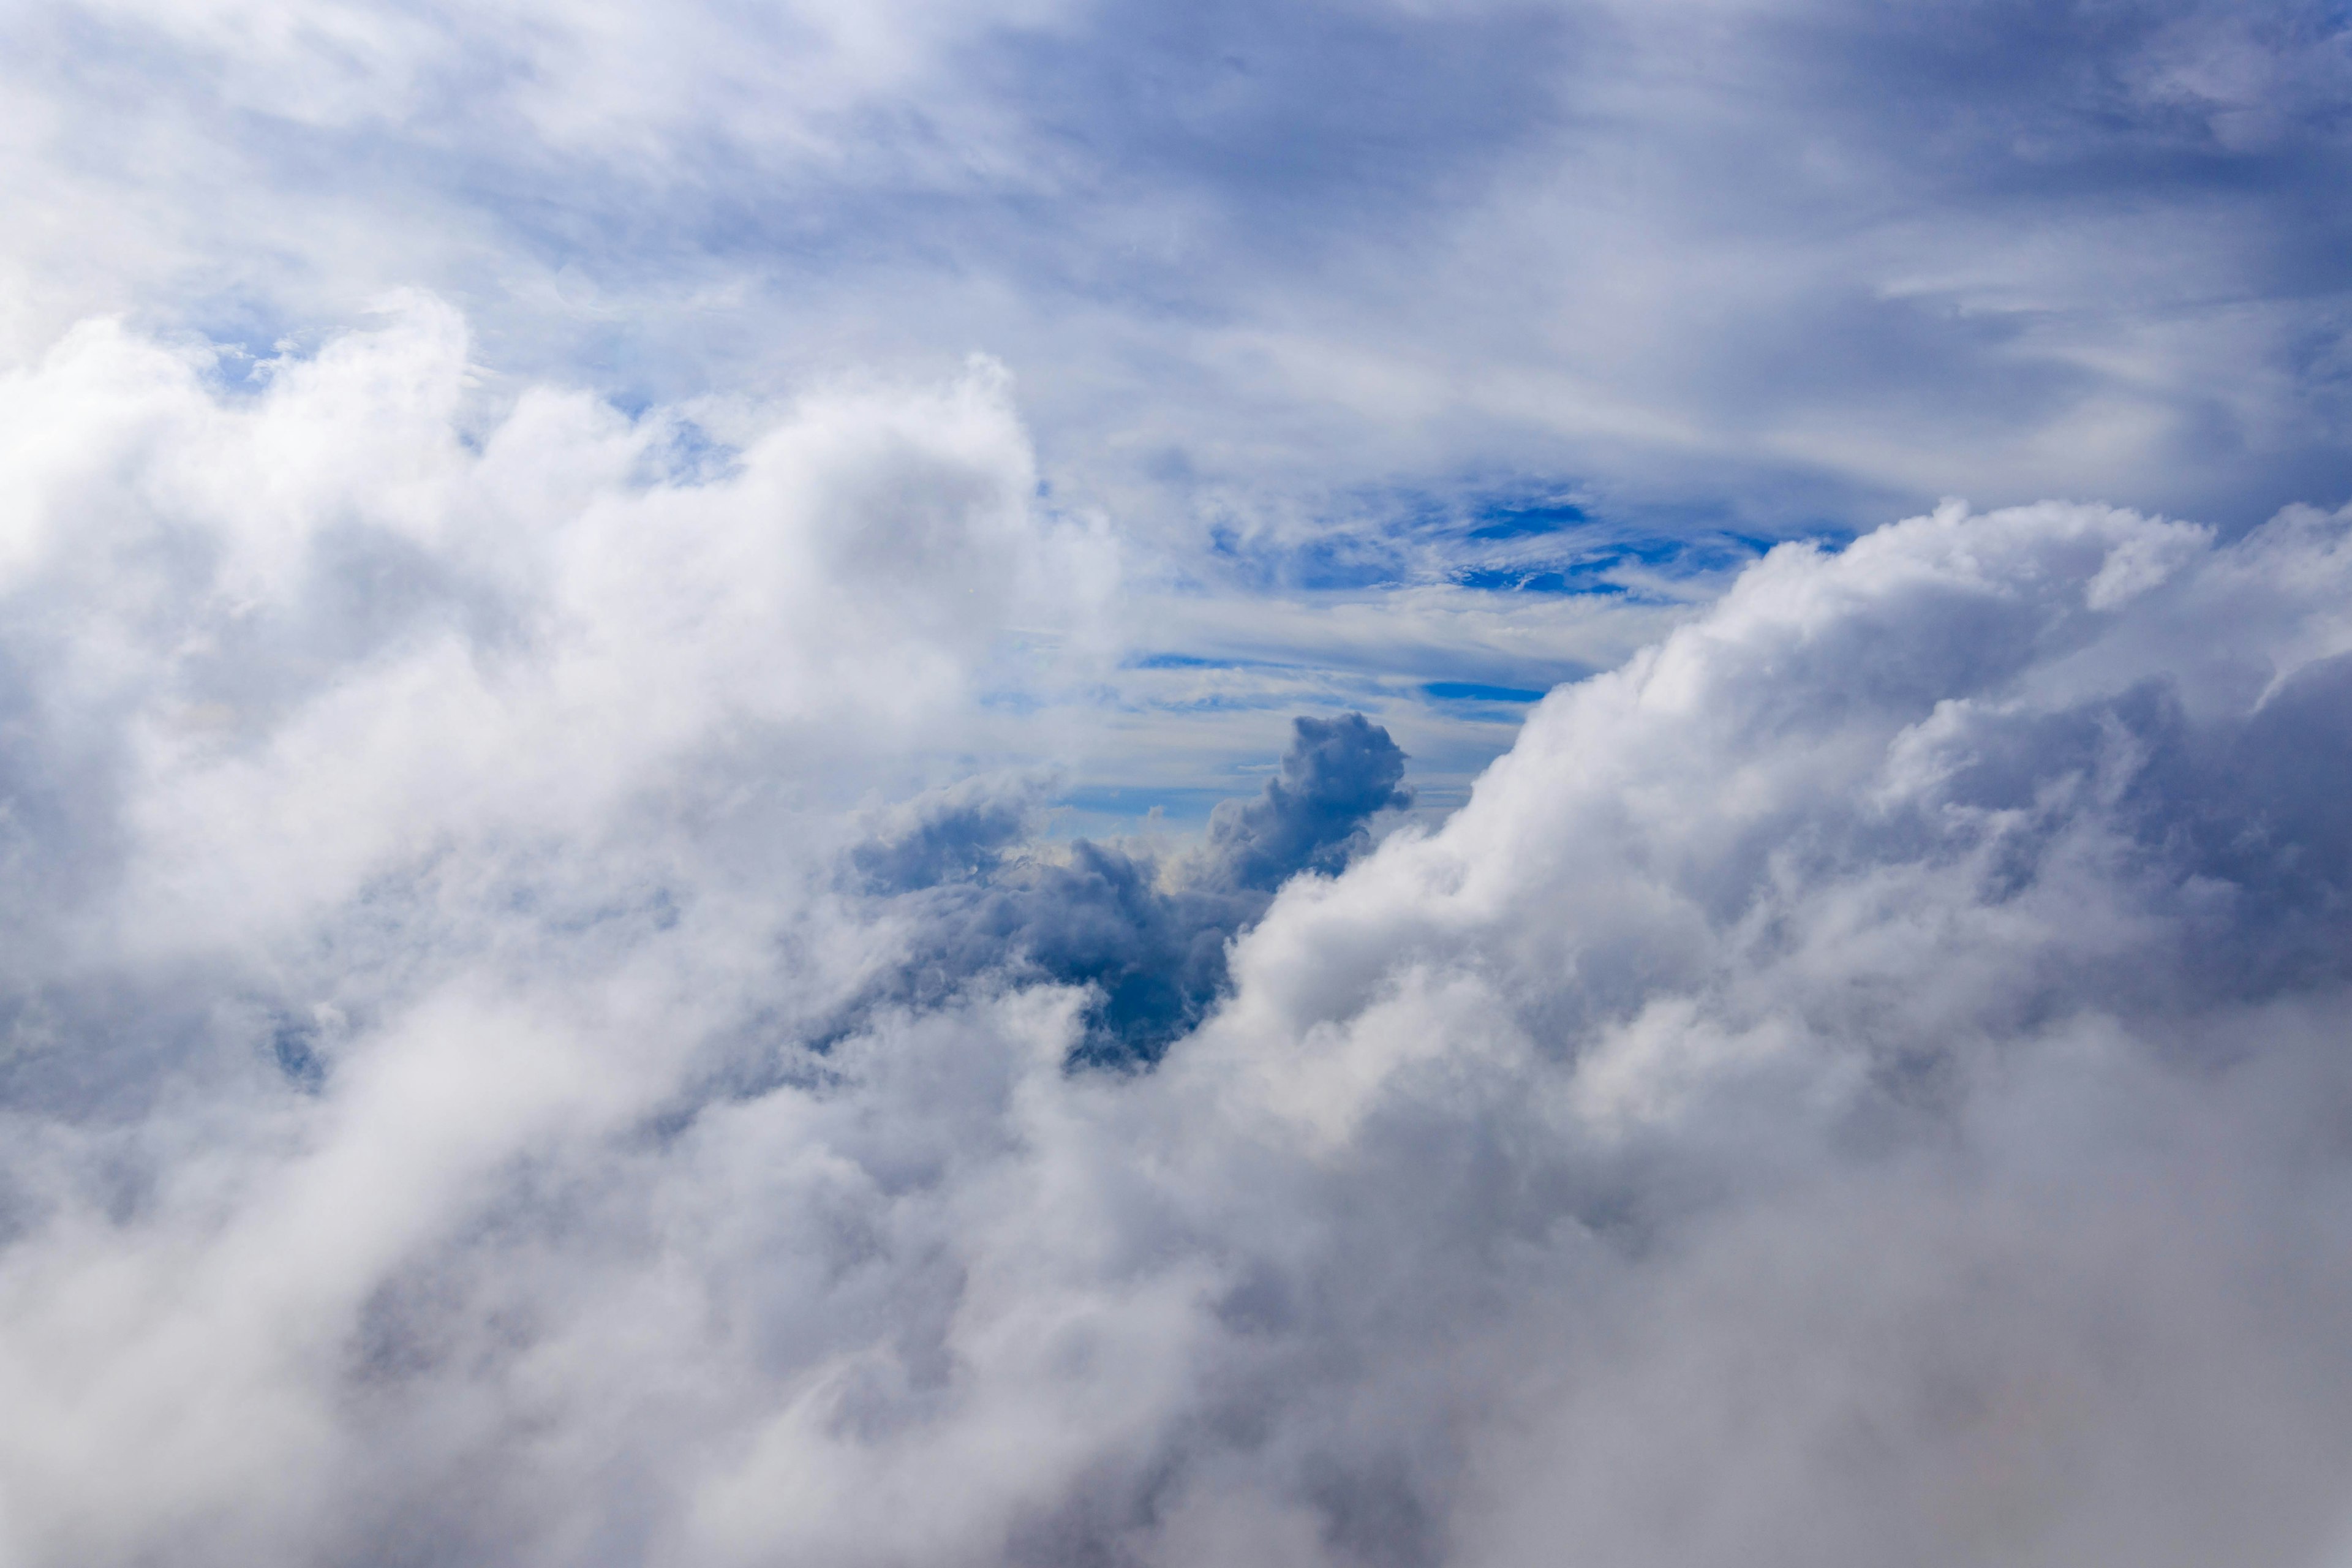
(1149, 938)
(1306, 298)
(736, 784)
(491, 1076)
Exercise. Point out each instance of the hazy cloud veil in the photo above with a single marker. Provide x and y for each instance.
(554, 1004)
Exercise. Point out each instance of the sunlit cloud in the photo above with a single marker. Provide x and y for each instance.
(1078, 783)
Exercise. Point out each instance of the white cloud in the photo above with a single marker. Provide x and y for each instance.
(1859, 1078)
(337, 623)
(1810, 256)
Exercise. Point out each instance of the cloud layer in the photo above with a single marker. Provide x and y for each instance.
(485, 1080)
(1310, 302)
(1791, 260)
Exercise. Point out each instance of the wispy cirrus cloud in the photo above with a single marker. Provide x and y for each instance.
(1800, 254)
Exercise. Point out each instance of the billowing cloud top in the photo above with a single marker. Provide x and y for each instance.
(737, 754)
(1864, 1077)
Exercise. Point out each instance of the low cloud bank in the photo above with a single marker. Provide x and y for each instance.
(1864, 1082)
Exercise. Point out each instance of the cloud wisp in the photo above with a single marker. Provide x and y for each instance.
(1793, 260)
(488, 1078)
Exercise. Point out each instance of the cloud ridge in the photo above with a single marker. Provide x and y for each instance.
(1864, 1077)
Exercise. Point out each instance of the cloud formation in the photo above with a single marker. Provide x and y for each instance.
(1864, 1078)
(1149, 936)
(1788, 260)
(1289, 291)
(579, 983)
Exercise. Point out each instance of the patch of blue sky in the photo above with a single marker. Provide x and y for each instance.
(1537, 539)
(1577, 577)
(1653, 568)
(634, 403)
(1477, 691)
(684, 454)
(1524, 521)
(1339, 558)
(242, 340)
(1705, 552)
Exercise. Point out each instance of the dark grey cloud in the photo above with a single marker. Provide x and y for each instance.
(1146, 936)
(1337, 772)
